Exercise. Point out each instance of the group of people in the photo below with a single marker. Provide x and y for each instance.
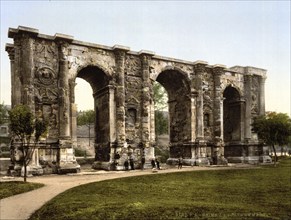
(129, 163)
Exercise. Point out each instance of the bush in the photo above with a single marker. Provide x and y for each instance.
(162, 154)
(80, 152)
(84, 161)
(5, 154)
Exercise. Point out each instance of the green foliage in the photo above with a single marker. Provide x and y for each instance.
(162, 154)
(5, 140)
(21, 122)
(85, 161)
(160, 99)
(262, 193)
(160, 96)
(22, 125)
(3, 114)
(86, 118)
(273, 128)
(80, 152)
(12, 188)
(40, 127)
(161, 123)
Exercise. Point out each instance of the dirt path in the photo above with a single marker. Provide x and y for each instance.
(23, 205)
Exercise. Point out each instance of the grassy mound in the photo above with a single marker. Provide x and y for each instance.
(218, 194)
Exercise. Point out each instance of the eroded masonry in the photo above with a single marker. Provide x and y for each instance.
(211, 107)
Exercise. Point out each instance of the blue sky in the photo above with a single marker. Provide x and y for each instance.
(246, 33)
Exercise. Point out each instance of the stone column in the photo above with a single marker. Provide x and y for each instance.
(73, 117)
(218, 102)
(120, 54)
(193, 115)
(146, 95)
(248, 104)
(64, 91)
(15, 81)
(242, 119)
(221, 118)
(262, 95)
(27, 71)
(152, 124)
(200, 151)
(112, 116)
(199, 68)
(218, 151)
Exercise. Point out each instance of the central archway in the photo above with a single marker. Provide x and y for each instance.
(177, 86)
(99, 82)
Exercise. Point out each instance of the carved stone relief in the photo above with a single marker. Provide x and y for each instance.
(255, 96)
(133, 66)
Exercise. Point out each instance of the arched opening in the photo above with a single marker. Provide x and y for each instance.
(85, 118)
(161, 122)
(232, 115)
(179, 111)
(98, 81)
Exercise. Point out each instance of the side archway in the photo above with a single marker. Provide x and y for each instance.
(233, 109)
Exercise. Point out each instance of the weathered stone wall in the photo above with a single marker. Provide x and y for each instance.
(211, 107)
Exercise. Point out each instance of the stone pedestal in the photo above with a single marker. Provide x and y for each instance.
(68, 162)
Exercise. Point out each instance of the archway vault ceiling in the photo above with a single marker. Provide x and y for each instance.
(94, 76)
(172, 81)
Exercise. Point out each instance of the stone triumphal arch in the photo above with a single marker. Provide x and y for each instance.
(211, 107)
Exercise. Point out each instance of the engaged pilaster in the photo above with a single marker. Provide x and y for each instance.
(120, 53)
(248, 106)
(262, 95)
(199, 69)
(146, 57)
(218, 70)
(64, 91)
(15, 81)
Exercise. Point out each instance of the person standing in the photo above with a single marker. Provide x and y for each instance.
(153, 163)
(131, 162)
(180, 162)
(142, 162)
(126, 164)
(158, 164)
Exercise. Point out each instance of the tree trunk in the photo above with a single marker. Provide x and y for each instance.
(89, 134)
(274, 149)
(24, 163)
(25, 171)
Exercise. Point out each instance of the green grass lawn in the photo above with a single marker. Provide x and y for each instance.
(16, 187)
(262, 193)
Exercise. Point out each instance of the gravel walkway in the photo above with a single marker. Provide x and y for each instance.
(23, 205)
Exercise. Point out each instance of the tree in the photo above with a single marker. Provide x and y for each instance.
(160, 100)
(160, 97)
(23, 126)
(3, 114)
(86, 118)
(161, 123)
(274, 129)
